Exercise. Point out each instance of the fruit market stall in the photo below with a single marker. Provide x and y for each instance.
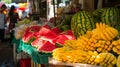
(82, 39)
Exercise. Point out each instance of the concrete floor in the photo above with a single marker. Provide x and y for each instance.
(6, 54)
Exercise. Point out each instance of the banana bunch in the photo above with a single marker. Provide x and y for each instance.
(105, 32)
(90, 43)
(86, 57)
(74, 56)
(70, 56)
(118, 61)
(116, 46)
(105, 59)
(104, 46)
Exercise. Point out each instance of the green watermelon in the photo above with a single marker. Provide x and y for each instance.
(97, 14)
(81, 22)
(111, 16)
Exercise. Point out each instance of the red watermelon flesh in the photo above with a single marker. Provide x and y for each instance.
(60, 39)
(56, 30)
(29, 33)
(46, 33)
(47, 26)
(69, 32)
(47, 47)
(35, 28)
(38, 42)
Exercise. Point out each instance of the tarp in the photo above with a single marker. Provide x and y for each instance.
(37, 57)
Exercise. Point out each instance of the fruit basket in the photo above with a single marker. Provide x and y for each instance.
(62, 64)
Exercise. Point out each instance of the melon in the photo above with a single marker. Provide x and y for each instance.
(56, 30)
(47, 47)
(81, 22)
(111, 16)
(97, 14)
(36, 43)
(29, 34)
(46, 33)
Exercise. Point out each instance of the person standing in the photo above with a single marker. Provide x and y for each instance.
(2, 22)
(13, 18)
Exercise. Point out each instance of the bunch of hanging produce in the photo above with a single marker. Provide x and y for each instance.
(99, 46)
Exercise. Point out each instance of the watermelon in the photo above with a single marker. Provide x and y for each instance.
(29, 34)
(56, 30)
(47, 47)
(46, 33)
(111, 16)
(81, 22)
(97, 14)
(36, 43)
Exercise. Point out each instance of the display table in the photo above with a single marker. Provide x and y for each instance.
(54, 63)
(37, 57)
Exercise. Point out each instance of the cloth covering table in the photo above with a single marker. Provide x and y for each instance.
(37, 57)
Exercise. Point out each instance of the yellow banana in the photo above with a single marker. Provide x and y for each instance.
(118, 61)
(111, 59)
(107, 36)
(110, 65)
(107, 57)
(115, 49)
(110, 33)
(114, 61)
(102, 36)
(113, 31)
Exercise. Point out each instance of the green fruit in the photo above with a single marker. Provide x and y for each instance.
(81, 22)
(111, 16)
(97, 14)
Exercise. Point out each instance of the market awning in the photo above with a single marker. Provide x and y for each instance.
(1, 4)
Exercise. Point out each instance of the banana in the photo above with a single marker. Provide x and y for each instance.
(97, 25)
(114, 61)
(100, 58)
(118, 47)
(111, 59)
(115, 50)
(115, 43)
(107, 35)
(107, 57)
(113, 31)
(118, 61)
(103, 36)
(111, 35)
(110, 65)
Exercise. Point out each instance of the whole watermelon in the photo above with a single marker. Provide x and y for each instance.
(81, 22)
(97, 14)
(111, 16)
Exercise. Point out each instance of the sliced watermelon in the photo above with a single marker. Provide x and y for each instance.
(29, 34)
(46, 33)
(60, 39)
(47, 47)
(37, 43)
(56, 30)
(47, 26)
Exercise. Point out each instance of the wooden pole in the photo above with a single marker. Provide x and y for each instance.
(54, 13)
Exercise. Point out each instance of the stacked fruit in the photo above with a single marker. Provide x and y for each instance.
(66, 54)
(92, 48)
(116, 46)
(118, 61)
